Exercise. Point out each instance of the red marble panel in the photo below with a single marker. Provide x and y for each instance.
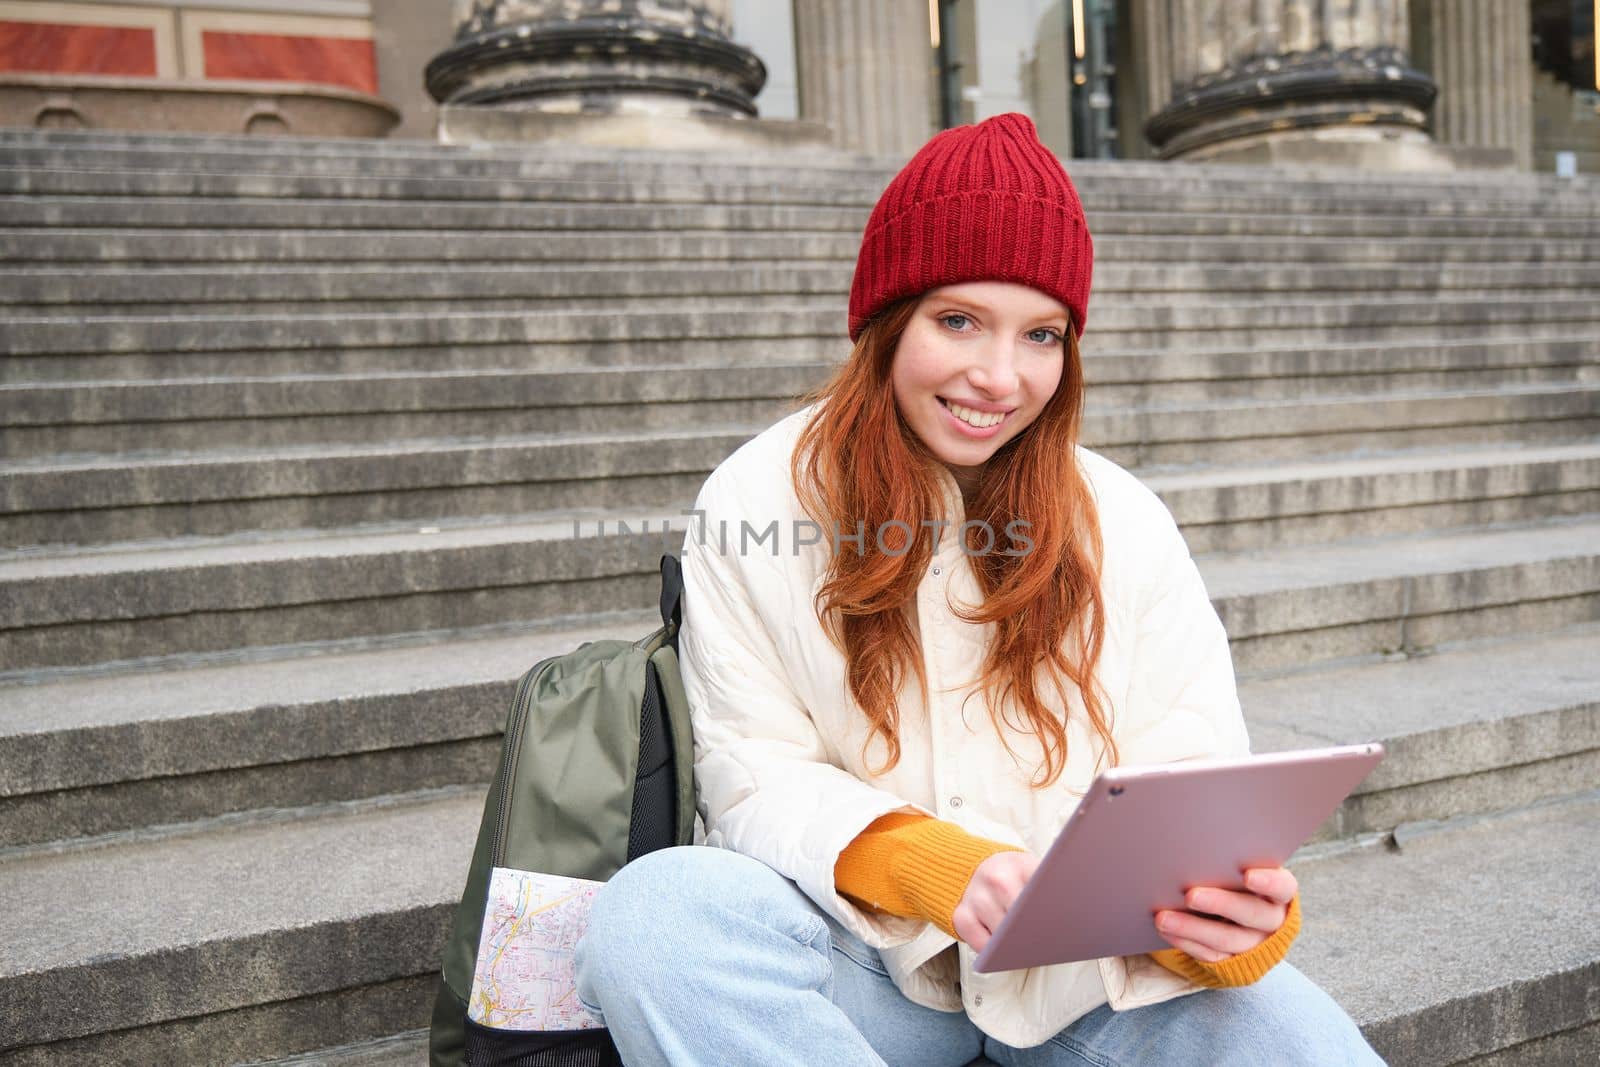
(342, 61)
(51, 48)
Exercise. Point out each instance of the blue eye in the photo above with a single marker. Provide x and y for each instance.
(953, 315)
(1050, 336)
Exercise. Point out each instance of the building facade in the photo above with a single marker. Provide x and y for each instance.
(1389, 84)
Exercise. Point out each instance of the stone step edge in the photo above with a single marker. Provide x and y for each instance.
(353, 153)
(1109, 216)
(421, 918)
(318, 689)
(808, 302)
(1114, 247)
(410, 1048)
(556, 524)
(160, 964)
(759, 171)
(1403, 585)
(154, 307)
(406, 1049)
(714, 398)
(1452, 940)
(1321, 414)
(1187, 366)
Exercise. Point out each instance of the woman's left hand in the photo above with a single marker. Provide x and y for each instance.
(1233, 921)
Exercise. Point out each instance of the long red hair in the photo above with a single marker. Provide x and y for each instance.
(859, 462)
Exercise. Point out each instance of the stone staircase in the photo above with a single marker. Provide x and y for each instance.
(309, 450)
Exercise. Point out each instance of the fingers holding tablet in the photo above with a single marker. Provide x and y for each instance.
(1225, 922)
(1275, 883)
(993, 888)
(1143, 837)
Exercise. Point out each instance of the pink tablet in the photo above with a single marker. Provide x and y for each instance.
(1143, 835)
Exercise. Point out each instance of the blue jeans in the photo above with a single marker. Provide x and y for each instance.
(698, 956)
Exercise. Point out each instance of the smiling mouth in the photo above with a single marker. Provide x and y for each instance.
(980, 420)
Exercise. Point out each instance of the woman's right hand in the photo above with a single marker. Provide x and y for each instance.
(990, 892)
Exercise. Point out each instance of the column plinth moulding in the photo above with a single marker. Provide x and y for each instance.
(1273, 77)
(597, 57)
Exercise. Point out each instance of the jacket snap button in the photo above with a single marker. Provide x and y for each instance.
(977, 1001)
(955, 802)
(936, 572)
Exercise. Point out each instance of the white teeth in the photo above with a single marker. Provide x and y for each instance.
(980, 419)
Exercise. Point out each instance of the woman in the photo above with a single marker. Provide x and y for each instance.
(920, 619)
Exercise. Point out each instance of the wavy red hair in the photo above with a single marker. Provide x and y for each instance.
(858, 461)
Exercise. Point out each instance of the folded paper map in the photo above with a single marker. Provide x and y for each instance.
(524, 979)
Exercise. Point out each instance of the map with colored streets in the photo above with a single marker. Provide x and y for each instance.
(524, 979)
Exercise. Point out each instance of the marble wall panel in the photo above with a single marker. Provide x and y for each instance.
(345, 61)
(53, 48)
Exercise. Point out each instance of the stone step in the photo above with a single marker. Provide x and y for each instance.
(627, 215)
(1315, 603)
(25, 292)
(330, 952)
(134, 602)
(727, 348)
(116, 291)
(1112, 207)
(63, 418)
(235, 940)
(1252, 431)
(98, 751)
(1469, 727)
(418, 159)
(218, 492)
(101, 335)
(408, 1049)
(1151, 323)
(1455, 941)
(642, 178)
(192, 415)
(378, 248)
(1444, 1021)
(1126, 377)
(1134, 379)
(409, 159)
(401, 484)
(1248, 507)
(1290, 605)
(633, 183)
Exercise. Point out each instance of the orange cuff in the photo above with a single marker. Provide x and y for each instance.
(912, 865)
(1243, 969)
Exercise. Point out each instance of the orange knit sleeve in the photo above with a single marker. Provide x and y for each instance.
(912, 865)
(1238, 970)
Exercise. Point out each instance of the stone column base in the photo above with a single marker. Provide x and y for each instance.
(1354, 149)
(465, 124)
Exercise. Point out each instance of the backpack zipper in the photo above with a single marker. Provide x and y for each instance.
(653, 637)
(512, 748)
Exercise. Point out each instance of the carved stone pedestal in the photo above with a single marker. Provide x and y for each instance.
(1294, 81)
(660, 58)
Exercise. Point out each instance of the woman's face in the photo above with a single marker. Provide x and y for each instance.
(975, 366)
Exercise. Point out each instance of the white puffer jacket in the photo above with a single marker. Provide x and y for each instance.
(778, 738)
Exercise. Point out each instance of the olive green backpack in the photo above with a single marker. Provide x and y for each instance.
(596, 769)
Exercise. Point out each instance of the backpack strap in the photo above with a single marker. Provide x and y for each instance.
(671, 593)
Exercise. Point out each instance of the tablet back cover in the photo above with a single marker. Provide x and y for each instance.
(1142, 836)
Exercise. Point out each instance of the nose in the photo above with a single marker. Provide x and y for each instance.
(994, 373)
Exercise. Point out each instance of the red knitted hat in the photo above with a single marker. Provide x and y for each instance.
(976, 203)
